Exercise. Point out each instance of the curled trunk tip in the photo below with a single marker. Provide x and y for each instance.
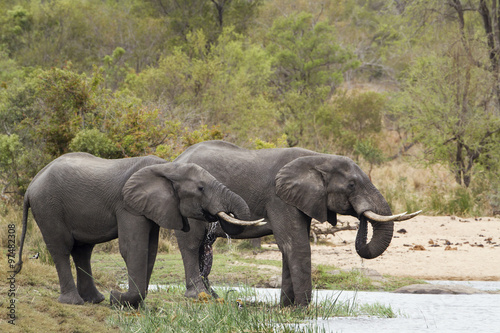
(381, 238)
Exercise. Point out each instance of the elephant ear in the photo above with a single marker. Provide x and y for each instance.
(301, 184)
(150, 192)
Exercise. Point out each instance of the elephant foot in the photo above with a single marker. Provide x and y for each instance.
(94, 298)
(200, 285)
(70, 298)
(193, 293)
(126, 299)
(289, 299)
(286, 301)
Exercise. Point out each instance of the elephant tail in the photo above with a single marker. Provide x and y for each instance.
(26, 207)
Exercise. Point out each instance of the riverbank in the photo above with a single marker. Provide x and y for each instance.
(426, 247)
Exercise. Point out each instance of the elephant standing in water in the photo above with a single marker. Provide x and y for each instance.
(287, 187)
(79, 200)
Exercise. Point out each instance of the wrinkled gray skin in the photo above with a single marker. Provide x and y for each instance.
(287, 187)
(79, 200)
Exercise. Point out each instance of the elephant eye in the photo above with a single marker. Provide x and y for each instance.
(201, 188)
(351, 186)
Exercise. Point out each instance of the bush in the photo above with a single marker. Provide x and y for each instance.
(94, 142)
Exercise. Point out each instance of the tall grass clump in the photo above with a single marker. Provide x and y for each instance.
(33, 243)
(433, 189)
(238, 312)
(343, 280)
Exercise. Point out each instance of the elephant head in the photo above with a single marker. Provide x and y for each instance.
(170, 193)
(322, 186)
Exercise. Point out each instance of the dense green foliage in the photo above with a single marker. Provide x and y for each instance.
(134, 77)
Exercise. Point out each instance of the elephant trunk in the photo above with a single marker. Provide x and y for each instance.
(382, 236)
(231, 203)
(373, 202)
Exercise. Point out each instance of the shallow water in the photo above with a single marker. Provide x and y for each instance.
(478, 313)
(415, 313)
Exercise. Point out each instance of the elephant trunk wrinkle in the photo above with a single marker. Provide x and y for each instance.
(233, 204)
(380, 241)
(382, 231)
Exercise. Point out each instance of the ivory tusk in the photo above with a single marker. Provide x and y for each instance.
(409, 216)
(391, 218)
(382, 218)
(234, 220)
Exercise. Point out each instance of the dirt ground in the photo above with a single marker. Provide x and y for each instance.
(426, 247)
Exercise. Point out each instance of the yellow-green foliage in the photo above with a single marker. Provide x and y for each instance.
(131, 78)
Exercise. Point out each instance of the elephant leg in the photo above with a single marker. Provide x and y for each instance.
(287, 294)
(69, 293)
(153, 249)
(84, 280)
(133, 240)
(291, 231)
(189, 245)
(59, 242)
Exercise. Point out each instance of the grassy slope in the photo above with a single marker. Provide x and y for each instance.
(37, 286)
(37, 308)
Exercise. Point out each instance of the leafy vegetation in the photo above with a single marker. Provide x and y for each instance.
(374, 80)
(409, 89)
(369, 79)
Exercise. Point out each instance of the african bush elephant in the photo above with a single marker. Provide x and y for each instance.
(79, 200)
(287, 187)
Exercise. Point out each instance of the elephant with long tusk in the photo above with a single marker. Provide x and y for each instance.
(79, 200)
(287, 187)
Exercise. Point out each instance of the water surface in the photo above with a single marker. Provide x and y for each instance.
(478, 313)
(415, 313)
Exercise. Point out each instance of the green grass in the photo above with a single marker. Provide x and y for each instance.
(238, 312)
(240, 268)
(228, 268)
(356, 280)
(235, 263)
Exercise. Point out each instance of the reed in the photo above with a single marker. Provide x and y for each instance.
(239, 311)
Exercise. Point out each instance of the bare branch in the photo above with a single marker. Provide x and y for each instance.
(318, 229)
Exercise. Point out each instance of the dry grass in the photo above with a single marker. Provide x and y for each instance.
(37, 308)
(409, 187)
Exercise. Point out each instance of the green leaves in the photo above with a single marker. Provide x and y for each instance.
(306, 52)
(447, 104)
(308, 64)
(10, 147)
(94, 142)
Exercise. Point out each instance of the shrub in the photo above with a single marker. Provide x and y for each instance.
(94, 142)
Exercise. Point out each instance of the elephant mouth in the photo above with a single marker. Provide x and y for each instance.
(209, 217)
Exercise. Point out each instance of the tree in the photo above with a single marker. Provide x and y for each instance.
(489, 14)
(308, 65)
(14, 25)
(351, 120)
(449, 105)
(210, 16)
(10, 152)
(226, 85)
(451, 96)
(52, 33)
(94, 142)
